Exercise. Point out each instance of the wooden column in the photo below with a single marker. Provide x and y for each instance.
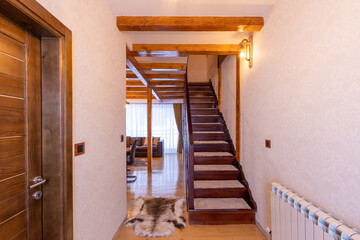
(238, 110)
(149, 135)
(219, 87)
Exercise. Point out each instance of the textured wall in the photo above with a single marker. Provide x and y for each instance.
(303, 93)
(212, 71)
(228, 94)
(197, 68)
(99, 115)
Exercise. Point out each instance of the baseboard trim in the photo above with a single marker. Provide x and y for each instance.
(119, 228)
(267, 236)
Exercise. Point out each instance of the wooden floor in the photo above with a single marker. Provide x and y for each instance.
(168, 180)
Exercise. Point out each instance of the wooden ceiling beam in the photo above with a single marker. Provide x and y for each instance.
(170, 89)
(136, 93)
(151, 23)
(133, 64)
(137, 97)
(151, 66)
(159, 89)
(155, 83)
(165, 94)
(162, 50)
(135, 89)
(145, 97)
(157, 76)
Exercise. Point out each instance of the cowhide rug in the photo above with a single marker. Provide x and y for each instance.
(157, 217)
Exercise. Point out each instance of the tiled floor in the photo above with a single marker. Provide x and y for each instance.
(167, 180)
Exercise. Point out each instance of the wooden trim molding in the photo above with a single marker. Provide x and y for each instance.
(149, 133)
(151, 23)
(238, 109)
(150, 66)
(166, 50)
(219, 86)
(38, 20)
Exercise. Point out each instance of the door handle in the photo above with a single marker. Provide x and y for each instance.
(37, 181)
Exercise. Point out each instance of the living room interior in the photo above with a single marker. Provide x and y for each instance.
(244, 113)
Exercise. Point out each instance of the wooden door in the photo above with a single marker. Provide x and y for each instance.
(20, 133)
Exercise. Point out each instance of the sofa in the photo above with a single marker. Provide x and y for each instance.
(141, 150)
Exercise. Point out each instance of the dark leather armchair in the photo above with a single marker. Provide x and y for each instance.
(129, 161)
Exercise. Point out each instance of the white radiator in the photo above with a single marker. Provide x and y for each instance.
(294, 218)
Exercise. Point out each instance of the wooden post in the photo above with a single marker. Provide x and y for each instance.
(219, 87)
(238, 110)
(149, 135)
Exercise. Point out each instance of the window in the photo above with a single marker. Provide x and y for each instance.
(163, 124)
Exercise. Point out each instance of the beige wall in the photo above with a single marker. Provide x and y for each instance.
(197, 68)
(303, 93)
(228, 94)
(212, 71)
(99, 115)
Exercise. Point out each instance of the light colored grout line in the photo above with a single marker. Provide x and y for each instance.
(11, 137)
(12, 217)
(11, 56)
(3, 180)
(1, 95)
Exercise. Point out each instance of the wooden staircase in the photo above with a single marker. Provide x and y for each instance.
(217, 191)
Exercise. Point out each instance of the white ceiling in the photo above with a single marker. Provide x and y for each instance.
(191, 7)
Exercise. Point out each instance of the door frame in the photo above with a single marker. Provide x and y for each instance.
(35, 18)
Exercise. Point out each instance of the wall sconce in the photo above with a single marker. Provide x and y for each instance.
(246, 50)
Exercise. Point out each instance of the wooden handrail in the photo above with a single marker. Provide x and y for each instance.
(188, 145)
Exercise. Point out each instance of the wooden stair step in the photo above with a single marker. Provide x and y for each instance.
(205, 118)
(213, 154)
(212, 146)
(200, 111)
(202, 105)
(222, 167)
(219, 189)
(220, 203)
(199, 83)
(220, 193)
(193, 86)
(209, 135)
(199, 89)
(210, 142)
(216, 172)
(221, 216)
(201, 93)
(217, 184)
(207, 126)
(207, 160)
(202, 100)
(208, 132)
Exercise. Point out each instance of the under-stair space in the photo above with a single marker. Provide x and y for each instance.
(217, 191)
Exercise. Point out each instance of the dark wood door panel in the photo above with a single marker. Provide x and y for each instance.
(11, 29)
(12, 166)
(20, 236)
(11, 47)
(12, 107)
(12, 126)
(12, 86)
(12, 66)
(12, 206)
(12, 187)
(13, 226)
(20, 124)
(10, 147)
